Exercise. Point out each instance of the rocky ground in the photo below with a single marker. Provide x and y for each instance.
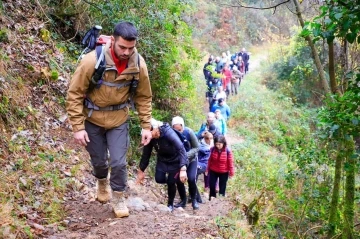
(149, 216)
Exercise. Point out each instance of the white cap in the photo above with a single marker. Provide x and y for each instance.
(155, 123)
(178, 120)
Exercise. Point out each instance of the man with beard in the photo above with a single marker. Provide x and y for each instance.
(99, 115)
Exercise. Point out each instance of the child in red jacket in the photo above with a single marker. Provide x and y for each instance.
(220, 166)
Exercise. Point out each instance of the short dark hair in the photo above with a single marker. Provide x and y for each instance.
(126, 30)
(220, 139)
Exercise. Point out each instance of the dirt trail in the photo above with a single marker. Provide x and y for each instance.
(149, 217)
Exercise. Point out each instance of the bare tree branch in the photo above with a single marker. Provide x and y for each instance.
(260, 8)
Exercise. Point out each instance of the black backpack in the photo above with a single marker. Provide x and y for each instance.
(184, 138)
(92, 41)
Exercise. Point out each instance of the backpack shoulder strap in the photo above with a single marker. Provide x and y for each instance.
(186, 133)
(100, 56)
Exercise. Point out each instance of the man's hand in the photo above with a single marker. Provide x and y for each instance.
(81, 137)
(140, 177)
(183, 176)
(145, 136)
(206, 173)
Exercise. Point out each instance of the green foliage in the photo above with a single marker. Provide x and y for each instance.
(340, 120)
(54, 75)
(337, 19)
(3, 35)
(282, 156)
(293, 72)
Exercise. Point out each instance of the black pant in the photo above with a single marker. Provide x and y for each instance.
(191, 174)
(223, 178)
(170, 180)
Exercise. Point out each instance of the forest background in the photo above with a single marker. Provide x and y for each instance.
(299, 164)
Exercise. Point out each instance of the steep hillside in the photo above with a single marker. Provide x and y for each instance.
(37, 156)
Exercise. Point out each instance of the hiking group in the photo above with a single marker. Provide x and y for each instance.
(223, 76)
(111, 78)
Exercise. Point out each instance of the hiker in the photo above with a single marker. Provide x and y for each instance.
(172, 161)
(215, 131)
(220, 166)
(235, 80)
(104, 126)
(219, 64)
(226, 80)
(210, 118)
(245, 57)
(179, 125)
(203, 156)
(219, 94)
(241, 67)
(220, 122)
(224, 58)
(223, 107)
(206, 71)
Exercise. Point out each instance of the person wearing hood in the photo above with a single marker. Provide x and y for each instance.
(191, 151)
(172, 160)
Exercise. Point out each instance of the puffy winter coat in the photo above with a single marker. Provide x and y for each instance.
(221, 161)
(203, 155)
(171, 154)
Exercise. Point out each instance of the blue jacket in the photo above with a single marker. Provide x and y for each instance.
(203, 155)
(221, 125)
(224, 109)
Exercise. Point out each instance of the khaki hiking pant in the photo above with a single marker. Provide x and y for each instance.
(115, 140)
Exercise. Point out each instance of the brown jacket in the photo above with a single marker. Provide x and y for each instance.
(108, 95)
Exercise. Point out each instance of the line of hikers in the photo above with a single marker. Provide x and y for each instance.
(226, 71)
(112, 78)
(178, 146)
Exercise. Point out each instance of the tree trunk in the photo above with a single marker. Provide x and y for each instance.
(333, 220)
(315, 54)
(344, 60)
(333, 84)
(348, 214)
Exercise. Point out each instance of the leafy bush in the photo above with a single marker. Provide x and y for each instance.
(294, 73)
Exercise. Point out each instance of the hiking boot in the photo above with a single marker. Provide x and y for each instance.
(118, 204)
(182, 203)
(199, 199)
(195, 204)
(171, 208)
(103, 190)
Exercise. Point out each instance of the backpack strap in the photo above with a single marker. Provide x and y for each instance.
(100, 56)
(118, 85)
(90, 105)
(134, 84)
(186, 134)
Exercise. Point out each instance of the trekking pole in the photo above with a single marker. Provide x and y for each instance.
(89, 40)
